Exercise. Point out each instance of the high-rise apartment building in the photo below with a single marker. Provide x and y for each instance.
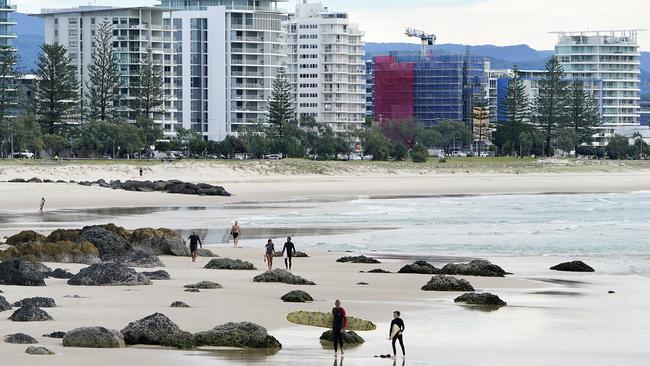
(325, 65)
(135, 31)
(227, 55)
(6, 23)
(370, 89)
(614, 58)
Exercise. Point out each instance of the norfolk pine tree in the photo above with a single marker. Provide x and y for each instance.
(151, 85)
(517, 108)
(8, 92)
(103, 76)
(281, 109)
(583, 114)
(552, 103)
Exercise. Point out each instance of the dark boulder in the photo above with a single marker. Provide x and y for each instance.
(48, 181)
(358, 259)
(109, 244)
(378, 270)
(27, 236)
(157, 275)
(17, 180)
(38, 351)
(94, 337)
(349, 337)
(159, 241)
(34, 180)
(138, 258)
(575, 266)
(486, 299)
(39, 302)
(30, 314)
(179, 304)
(204, 285)
(108, 274)
(231, 264)
(4, 304)
(297, 296)
(63, 235)
(20, 338)
(280, 275)
(21, 273)
(61, 274)
(202, 252)
(157, 329)
(57, 334)
(447, 283)
(241, 335)
(478, 267)
(419, 267)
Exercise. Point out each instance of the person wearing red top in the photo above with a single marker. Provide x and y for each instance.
(339, 323)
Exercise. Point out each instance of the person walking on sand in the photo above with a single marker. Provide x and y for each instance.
(194, 241)
(269, 251)
(141, 173)
(396, 330)
(234, 231)
(339, 323)
(288, 251)
(40, 209)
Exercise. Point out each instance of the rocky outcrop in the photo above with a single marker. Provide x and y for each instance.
(297, 296)
(34, 180)
(484, 299)
(170, 186)
(358, 259)
(30, 314)
(295, 255)
(157, 329)
(419, 267)
(39, 302)
(57, 335)
(280, 275)
(157, 275)
(575, 266)
(20, 338)
(159, 241)
(21, 273)
(204, 285)
(179, 304)
(231, 264)
(39, 351)
(59, 252)
(478, 267)
(109, 244)
(4, 304)
(349, 337)
(61, 274)
(108, 274)
(94, 337)
(138, 258)
(377, 270)
(27, 236)
(447, 283)
(63, 235)
(241, 335)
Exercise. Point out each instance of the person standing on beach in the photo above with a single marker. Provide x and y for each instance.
(40, 209)
(396, 330)
(234, 231)
(290, 250)
(141, 173)
(269, 251)
(194, 240)
(339, 323)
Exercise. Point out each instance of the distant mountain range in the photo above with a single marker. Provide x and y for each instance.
(30, 37)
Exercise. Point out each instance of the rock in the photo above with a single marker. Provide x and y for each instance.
(358, 259)
(159, 241)
(447, 283)
(20, 338)
(61, 274)
(297, 296)
(204, 285)
(295, 255)
(138, 258)
(108, 274)
(109, 244)
(57, 334)
(4, 304)
(363, 283)
(48, 181)
(280, 275)
(575, 266)
(64, 235)
(349, 337)
(192, 290)
(478, 267)
(419, 267)
(34, 180)
(20, 272)
(484, 298)
(157, 329)
(157, 275)
(61, 181)
(94, 337)
(179, 304)
(59, 252)
(38, 350)
(202, 252)
(30, 313)
(383, 356)
(39, 302)
(27, 236)
(232, 264)
(378, 270)
(17, 180)
(240, 335)
(611, 292)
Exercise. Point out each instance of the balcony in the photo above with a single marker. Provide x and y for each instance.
(8, 8)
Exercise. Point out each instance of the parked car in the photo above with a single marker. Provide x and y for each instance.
(23, 155)
(273, 156)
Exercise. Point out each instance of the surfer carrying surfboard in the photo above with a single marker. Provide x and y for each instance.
(396, 329)
(339, 323)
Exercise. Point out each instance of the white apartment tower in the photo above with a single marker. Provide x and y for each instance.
(227, 55)
(614, 58)
(135, 31)
(326, 66)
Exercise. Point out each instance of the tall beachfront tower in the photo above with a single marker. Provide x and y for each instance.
(326, 66)
(6, 23)
(135, 31)
(227, 55)
(614, 58)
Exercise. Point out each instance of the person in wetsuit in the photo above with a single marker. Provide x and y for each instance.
(339, 323)
(398, 323)
(290, 250)
(194, 240)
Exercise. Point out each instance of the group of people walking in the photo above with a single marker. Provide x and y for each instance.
(288, 252)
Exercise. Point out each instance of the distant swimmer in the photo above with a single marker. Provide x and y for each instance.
(234, 231)
(339, 323)
(288, 251)
(195, 241)
(40, 209)
(269, 251)
(396, 330)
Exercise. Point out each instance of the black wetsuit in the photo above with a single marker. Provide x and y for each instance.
(291, 249)
(338, 324)
(194, 242)
(398, 337)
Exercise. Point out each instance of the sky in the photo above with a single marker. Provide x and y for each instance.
(472, 22)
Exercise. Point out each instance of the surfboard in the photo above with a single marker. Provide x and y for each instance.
(324, 320)
(394, 330)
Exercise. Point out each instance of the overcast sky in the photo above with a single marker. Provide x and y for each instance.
(474, 22)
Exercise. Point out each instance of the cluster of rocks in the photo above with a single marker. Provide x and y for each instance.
(358, 259)
(478, 267)
(376, 270)
(230, 264)
(295, 255)
(204, 285)
(108, 274)
(280, 275)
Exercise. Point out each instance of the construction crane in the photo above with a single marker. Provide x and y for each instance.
(427, 39)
